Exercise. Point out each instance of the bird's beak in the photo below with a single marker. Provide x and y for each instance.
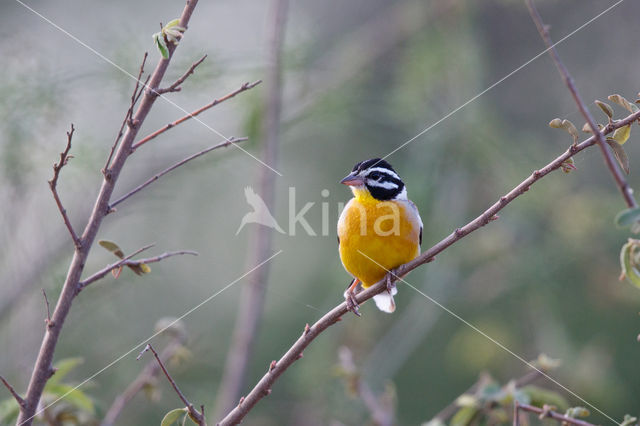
(352, 180)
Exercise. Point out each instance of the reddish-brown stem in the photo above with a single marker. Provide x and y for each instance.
(53, 183)
(43, 365)
(146, 376)
(623, 185)
(13, 392)
(548, 413)
(128, 262)
(193, 413)
(243, 88)
(263, 387)
(135, 96)
(175, 87)
(173, 167)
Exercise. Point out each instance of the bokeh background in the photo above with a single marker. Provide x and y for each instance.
(360, 78)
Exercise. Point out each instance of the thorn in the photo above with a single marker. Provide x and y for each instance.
(272, 365)
(300, 355)
(503, 199)
(241, 400)
(494, 217)
(307, 329)
(52, 371)
(536, 173)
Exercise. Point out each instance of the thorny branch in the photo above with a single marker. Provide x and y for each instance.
(13, 392)
(128, 262)
(625, 189)
(243, 88)
(43, 365)
(197, 416)
(263, 387)
(146, 376)
(545, 412)
(175, 87)
(173, 167)
(53, 183)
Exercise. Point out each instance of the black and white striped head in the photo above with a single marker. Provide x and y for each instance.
(378, 178)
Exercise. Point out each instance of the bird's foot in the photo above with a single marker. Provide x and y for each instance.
(389, 280)
(352, 303)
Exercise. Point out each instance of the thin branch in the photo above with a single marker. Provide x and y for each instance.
(13, 392)
(243, 88)
(46, 299)
(173, 167)
(263, 387)
(197, 416)
(128, 262)
(623, 185)
(127, 117)
(516, 413)
(552, 414)
(53, 183)
(251, 303)
(146, 376)
(43, 365)
(175, 87)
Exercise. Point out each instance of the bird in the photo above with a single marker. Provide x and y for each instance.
(379, 229)
(260, 213)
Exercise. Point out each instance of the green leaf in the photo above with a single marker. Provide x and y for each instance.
(574, 412)
(172, 416)
(63, 367)
(161, 45)
(620, 154)
(463, 416)
(620, 100)
(628, 420)
(9, 410)
(71, 395)
(627, 217)
(621, 135)
(172, 23)
(629, 271)
(606, 108)
(112, 247)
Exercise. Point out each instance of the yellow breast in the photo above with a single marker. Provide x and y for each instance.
(385, 231)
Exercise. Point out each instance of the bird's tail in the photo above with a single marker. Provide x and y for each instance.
(384, 301)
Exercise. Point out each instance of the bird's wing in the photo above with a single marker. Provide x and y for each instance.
(415, 210)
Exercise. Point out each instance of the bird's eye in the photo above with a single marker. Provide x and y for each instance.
(375, 176)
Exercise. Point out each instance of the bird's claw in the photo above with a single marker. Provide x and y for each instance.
(389, 282)
(352, 303)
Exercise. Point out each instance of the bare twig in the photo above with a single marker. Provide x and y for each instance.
(127, 117)
(263, 387)
(175, 87)
(128, 262)
(173, 167)
(146, 376)
(64, 158)
(252, 298)
(548, 413)
(623, 185)
(46, 299)
(516, 413)
(43, 365)
(197, 416)
(243, 88)
(13, 392)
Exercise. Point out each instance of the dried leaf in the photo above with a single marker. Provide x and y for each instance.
(620, 100)
(620, 154)
(606, 108)
(112, 247)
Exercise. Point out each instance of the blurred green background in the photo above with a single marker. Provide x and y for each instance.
(361, 78)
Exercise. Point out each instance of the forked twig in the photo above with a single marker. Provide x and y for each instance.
(623, 185)
(53, 183)
(197, 416)
(175, 87)
(173, 167)
(243, 88)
